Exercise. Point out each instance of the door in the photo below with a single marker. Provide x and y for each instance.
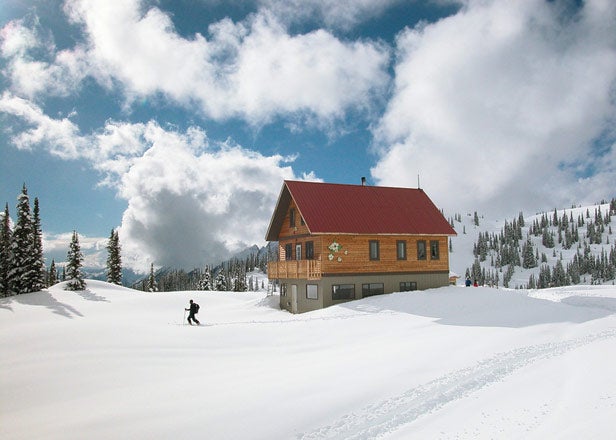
(293, 298)
(298, 251)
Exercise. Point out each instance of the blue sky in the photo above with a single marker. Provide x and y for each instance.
(176, 121)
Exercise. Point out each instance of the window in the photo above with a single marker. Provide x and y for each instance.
(374, 250)
(288, 251)
(292, 217)
(309, 250)
(434, 255)
(407, 286)
(372, 289)
(301, 220)
(401, 249)
(283, 289)
(312, 291)
(343, 291)
(421, 249)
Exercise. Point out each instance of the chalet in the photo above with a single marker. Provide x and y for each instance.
(342, 242)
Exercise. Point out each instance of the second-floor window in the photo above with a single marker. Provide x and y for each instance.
(434, 254)
(374, 250)
(421, 249)
(401, 249)
(288, 251)
(309, 250)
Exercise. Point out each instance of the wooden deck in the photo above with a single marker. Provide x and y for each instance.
(294, 269)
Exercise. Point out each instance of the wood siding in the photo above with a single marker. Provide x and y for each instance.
(353, 255)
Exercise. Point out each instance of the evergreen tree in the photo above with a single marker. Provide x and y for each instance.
(528, 257)
(37, 250)
(205, 283)
(73, 267)
(53, 274)
(5, 253)
(22, 274)
(152, 286)
(114, 259)
(220, 283)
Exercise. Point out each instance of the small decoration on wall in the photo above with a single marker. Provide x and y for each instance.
(335, 247)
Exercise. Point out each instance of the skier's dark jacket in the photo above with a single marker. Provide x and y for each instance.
(194, 308)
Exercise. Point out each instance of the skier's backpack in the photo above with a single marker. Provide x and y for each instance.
(196, 308)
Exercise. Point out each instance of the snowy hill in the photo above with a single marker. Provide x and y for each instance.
(592, 237)
(447, 363)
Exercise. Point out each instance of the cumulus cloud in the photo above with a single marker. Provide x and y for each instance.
(503, 106)
(254, 69)
(190, 201)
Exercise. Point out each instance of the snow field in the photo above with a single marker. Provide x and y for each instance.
(447, 363)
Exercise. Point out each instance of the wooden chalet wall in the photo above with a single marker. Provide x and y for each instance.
(353, 255)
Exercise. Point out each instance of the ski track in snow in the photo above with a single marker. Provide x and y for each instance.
(381, 418)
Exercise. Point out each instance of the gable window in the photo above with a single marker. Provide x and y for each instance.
(374, 250)
(434, 254)
(421, 249)
(309, 250)
(343, 291)
(312, 291)
(292, 217)
(401, 249)
(288, 251)
(372, 289)
(407, 286)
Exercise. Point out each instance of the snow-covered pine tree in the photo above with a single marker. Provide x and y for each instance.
(114, 259)
(74, 260)
(220, 283)
(53, 274)
(22, 274)
(205, 283)
(152, 286)
(40, 281)
(5, 253)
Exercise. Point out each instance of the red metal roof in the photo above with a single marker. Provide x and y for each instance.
(359, 209)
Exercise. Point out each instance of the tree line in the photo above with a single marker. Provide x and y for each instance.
(231, 275)
(22, 265)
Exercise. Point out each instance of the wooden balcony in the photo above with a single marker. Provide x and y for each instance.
(297, 269)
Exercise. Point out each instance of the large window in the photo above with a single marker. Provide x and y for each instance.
(288, 251)
(401, 249)
(343, 291)
(312, 291)
(434, 254)
(374, 250)
(372, 289)
(309, 250)
(421, 249)
(406, 286)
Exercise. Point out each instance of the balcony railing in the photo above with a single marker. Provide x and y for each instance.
(298, 269)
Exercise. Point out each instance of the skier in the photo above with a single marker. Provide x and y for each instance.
(194, 309)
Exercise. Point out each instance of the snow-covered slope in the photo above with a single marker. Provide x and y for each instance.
(445, 363)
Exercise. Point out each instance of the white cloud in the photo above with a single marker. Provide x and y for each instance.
(189, 202)
(254, 69)
(497, 106)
